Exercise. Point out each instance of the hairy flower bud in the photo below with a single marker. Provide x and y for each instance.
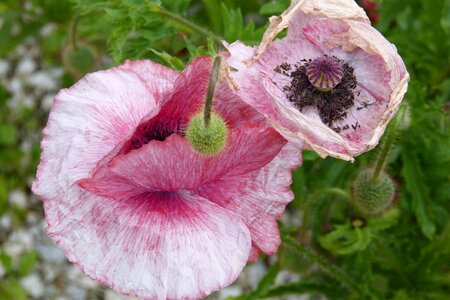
(207, 139)
(79, 61)
(372, 196)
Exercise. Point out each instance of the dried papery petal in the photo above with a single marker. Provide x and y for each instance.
(264, 78)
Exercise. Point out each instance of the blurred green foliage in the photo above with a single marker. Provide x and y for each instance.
(405, 256)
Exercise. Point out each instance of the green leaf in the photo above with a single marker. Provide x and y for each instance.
(3, 195)
(274, 7)
(297, 288)
(27, 263)
(291, 260)
(8, 134)
(172, 61)
(388, 219)
(6, 261)
(415, 183)
(11, 289)
(345, 239)
(262, 287)
(265, 283)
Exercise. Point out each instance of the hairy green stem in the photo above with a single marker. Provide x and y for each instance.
(73, 32)
(380, 163)
(211, 88)
(312, 199)
(383, 155)
(183, 22)
(326, 266)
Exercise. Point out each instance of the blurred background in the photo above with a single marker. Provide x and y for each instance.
(403, 253)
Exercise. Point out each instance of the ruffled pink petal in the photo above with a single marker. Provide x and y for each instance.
(86, 122)
(159, 78)
(154, 245)
(176, 107)
(259, 198)
(173, 164)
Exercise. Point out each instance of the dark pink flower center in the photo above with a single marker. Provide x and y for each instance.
(325, 72)
(158, 130)
(326, 83)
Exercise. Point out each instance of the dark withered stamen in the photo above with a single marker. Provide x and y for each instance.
(152, 130)
(332, 95)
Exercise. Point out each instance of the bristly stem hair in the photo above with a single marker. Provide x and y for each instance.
(332, 270)
(184, 22)
(211, 88)
(391, 133)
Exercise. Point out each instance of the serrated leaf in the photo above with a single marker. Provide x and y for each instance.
(233, 23)
(172, 61)
(274, 7)
(415, 183)
(345, 239)
(388, 219)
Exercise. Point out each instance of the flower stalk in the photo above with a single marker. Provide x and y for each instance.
(332, 270)
(383, 155)
(183, 22)
(211, 88)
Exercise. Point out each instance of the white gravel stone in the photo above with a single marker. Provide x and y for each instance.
(49, 272)
(18, 242)
(26, 66)
(51, 254)
(47, 101)
(4, 67)
(33, 285)
(112, 295)
(231, 291)
(255, 272)
(48, 29)
(32, 218)
(88, 283)
(5, 221)
(76, 293)
(56, 73)
(73, 274)
(42, 81)
(14, 86)
(286, 277)
(18, 198)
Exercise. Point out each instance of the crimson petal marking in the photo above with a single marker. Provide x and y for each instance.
(154, 246)
(173, 165)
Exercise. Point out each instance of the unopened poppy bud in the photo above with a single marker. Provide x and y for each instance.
(207, 139)
(372, 196)
(79, 61)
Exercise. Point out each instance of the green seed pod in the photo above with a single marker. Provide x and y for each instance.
(207, 139)
(372, 196)
(79, 61)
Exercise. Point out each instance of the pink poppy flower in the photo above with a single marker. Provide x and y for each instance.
(135, 207)
(333, 82)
